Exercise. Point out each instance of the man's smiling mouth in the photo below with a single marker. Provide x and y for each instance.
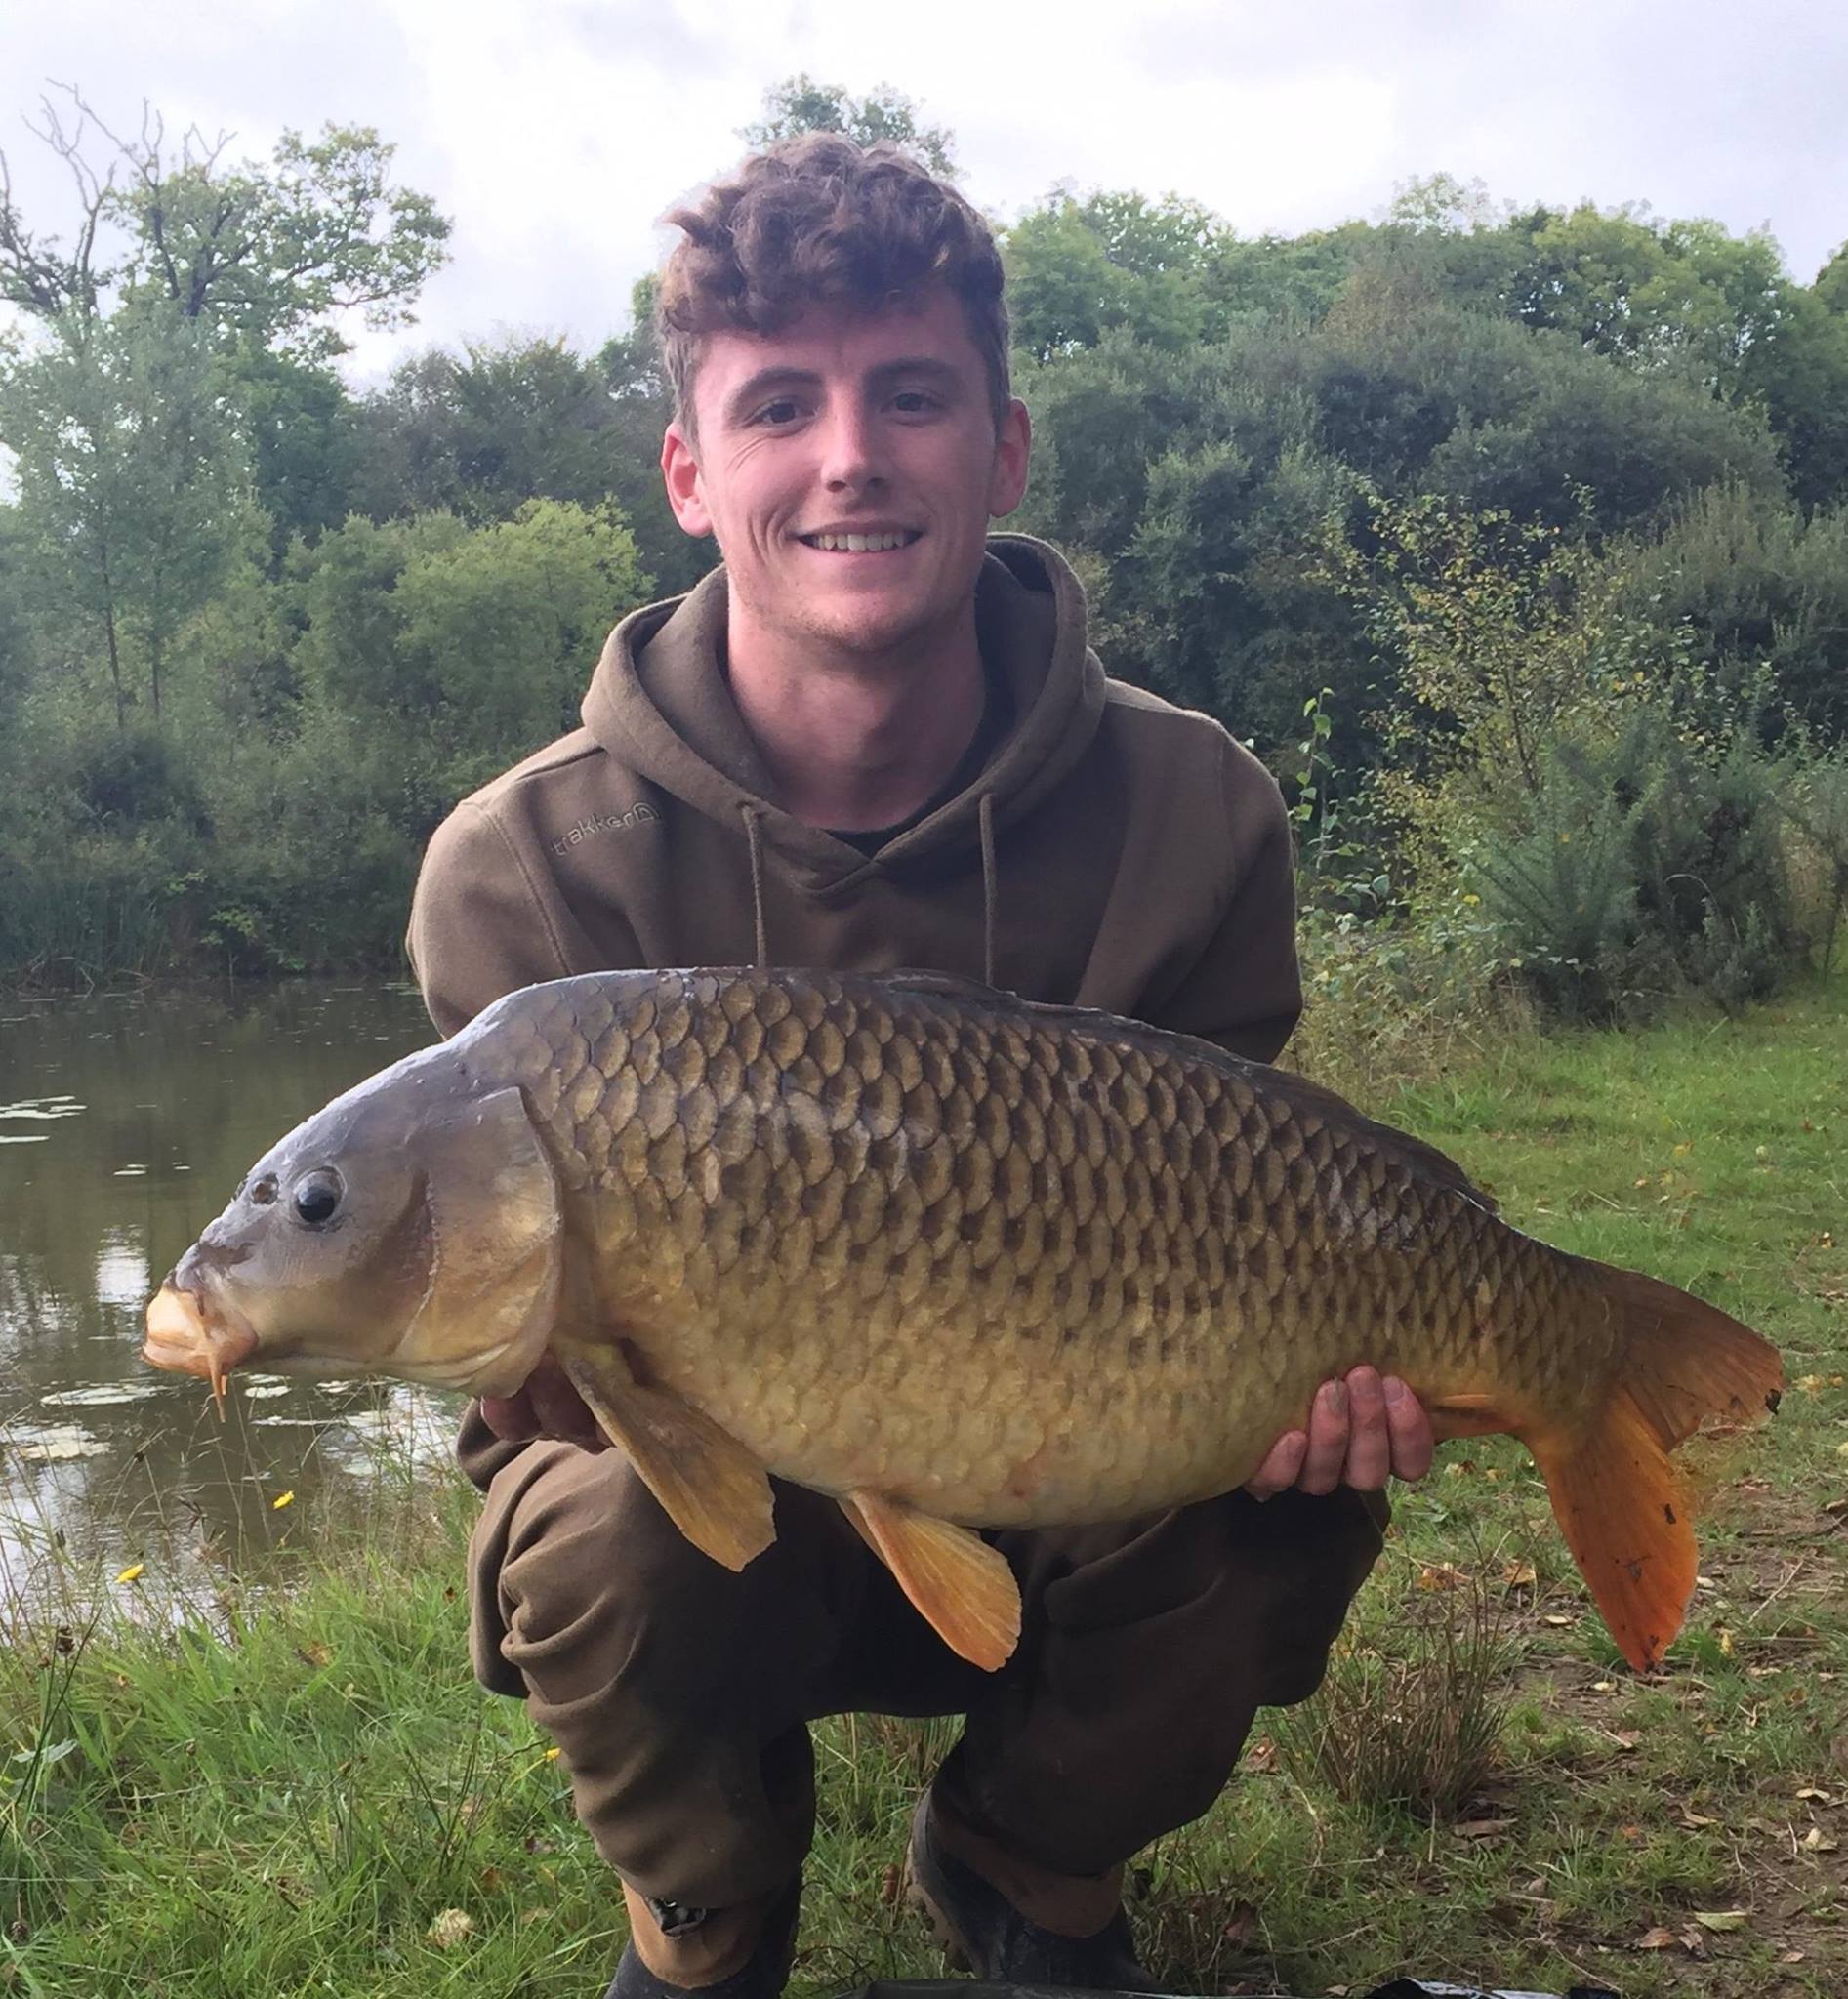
(861, 545)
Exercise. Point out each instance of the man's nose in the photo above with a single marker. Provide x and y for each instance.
(851, 450)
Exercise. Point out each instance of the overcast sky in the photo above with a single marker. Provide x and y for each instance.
(554, 131)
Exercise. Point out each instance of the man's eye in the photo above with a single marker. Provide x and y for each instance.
(913, 402)
(782, 411)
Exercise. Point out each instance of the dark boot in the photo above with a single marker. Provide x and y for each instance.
(741, 1952)
(1001, 1917)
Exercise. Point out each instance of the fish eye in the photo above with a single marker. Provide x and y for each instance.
(316, 1196)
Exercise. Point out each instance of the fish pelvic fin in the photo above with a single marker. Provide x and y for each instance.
(709, 1484)
(1615, 1495)
(960, 1586)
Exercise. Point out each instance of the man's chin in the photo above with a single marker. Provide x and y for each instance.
(874, 632)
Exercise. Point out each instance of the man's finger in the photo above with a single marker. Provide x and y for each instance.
(1368, 1444)
(562, 1411)
(1410, 1429)
(511, 1416)
(1279, 1467)
(1327, 1455)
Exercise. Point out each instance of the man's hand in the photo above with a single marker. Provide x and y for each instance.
(545, 1404)
(1360, 1430)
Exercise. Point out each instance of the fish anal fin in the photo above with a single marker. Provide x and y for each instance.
(709, 1484)
(960, 1586)
(1468, 1415)
(1621, 1507)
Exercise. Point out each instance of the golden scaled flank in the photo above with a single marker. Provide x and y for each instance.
(1002, 1269)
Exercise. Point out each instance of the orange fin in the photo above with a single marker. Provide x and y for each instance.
(1468, 1415)
(1622, 1510)
(709, 1484)
(960, 1586)
(1613, 1491)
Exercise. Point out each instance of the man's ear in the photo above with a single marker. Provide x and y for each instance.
(1008, 483)
(679, 470)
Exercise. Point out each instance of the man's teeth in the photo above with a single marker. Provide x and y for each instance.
(858, 544)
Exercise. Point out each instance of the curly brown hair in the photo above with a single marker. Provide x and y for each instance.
(817, 218)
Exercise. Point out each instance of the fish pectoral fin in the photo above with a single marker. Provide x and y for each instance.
(960, 1586)
(1467, 1415)
(709, 1484)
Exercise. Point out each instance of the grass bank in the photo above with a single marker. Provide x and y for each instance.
(307, 1796)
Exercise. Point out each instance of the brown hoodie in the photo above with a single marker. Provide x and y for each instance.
(1113, 851)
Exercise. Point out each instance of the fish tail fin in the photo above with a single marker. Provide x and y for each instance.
(1615, 1495)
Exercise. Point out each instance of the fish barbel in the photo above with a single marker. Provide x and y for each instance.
(959, 1260)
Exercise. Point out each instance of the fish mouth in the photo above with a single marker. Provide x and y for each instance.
(185, 1338)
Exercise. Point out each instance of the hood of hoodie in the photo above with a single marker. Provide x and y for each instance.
(660, 702)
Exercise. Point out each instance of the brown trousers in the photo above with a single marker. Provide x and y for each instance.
(680, 1694)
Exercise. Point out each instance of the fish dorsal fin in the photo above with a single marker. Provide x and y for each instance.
(1295, 1090)
(960, 1586)
(709, 1484)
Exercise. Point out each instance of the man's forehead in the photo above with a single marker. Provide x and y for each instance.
(829, 339)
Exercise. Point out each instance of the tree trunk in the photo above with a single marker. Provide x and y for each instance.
(115, 650)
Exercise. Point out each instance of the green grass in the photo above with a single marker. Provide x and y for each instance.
(281, 1798)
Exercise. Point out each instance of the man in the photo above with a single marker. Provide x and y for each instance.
(877, 739)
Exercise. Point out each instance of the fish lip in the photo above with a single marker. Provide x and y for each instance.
(189, 1334)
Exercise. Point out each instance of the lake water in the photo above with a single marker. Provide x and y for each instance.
(125, 1124)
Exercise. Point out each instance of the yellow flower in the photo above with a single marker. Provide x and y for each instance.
(132, 1572)
(287, 1499)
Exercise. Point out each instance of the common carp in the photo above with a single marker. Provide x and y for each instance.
(957, 1260)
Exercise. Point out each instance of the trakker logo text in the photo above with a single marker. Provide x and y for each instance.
(603, 822)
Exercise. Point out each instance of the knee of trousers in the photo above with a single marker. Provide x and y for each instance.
(582, 1587)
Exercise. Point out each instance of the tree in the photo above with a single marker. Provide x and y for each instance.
(460, 650)
(1077, 270)
(798, 103)
(265, 256)
(134, 495)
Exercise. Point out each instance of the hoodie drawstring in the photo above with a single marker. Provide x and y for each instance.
(753, 816)
(753, 839)
(991, 890)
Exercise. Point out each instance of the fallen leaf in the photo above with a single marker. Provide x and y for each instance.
(1810, 1792)
(1791, 1957)
(1481, 1828)
(315, 1653)
(1557, 1622)
(450, 1928)
(1441, 1575)
(1696, 1820)
(1519, 1576)
(1817, 1841)
(1656, 1939)
(1722, 1921)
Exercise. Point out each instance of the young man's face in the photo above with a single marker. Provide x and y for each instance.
(847, 424)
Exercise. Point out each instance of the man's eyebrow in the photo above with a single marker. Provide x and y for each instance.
(767, 379)
(754, 387)
(918, 364)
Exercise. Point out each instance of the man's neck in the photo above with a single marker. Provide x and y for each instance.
(855, 742)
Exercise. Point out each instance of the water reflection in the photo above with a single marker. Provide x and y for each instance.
(125, 1124)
